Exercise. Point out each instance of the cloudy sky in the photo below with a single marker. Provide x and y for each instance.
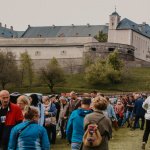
(20, 13)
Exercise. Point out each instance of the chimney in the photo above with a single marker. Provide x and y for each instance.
(88, 24)
(107, 24)
(140, 28)
(53, 26)
(144, 23)
(5, 27)
(0, 25)
(11, 29)
(72, 25)
(28, 26)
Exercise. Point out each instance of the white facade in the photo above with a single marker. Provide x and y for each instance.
(130, 37)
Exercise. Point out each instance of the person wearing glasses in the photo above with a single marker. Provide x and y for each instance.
(23, 102)
(29, 135)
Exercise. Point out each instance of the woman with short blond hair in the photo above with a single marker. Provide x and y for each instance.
(23, 102)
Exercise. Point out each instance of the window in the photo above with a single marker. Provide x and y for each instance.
(93, 49)
(37, 53)
(129, 52)
(111, 49)
(63, 52)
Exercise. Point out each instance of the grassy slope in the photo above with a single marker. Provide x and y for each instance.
(124, 139)
(140, 82)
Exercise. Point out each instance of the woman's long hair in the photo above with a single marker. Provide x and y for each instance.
(34, 100)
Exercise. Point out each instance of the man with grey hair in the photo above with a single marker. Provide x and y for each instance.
(74, 103)
(138, 111)
(10, 115)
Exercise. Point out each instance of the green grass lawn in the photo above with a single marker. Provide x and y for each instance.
(139, 81)
(124, 139)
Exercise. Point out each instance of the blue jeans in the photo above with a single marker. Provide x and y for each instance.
(124, 118)
(75, 146)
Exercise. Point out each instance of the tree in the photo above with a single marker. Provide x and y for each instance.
(102, 37)
(26, 65)
(53, 74)
(9, 72)
(116, 63)
(88, 60)
(105, 71)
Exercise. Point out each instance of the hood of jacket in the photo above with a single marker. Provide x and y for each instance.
(83, 112)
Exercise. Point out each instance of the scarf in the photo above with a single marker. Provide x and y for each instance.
(47, 107)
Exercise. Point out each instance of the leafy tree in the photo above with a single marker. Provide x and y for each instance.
(88, 60)
(26, 65)
(9, 72)
(102, 37)
(53, 74)
(105, 71)
(116, 63)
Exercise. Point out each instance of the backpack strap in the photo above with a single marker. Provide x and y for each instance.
(95, 121)
(31, 122)
(100, 120)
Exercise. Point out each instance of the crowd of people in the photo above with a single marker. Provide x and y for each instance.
(86, 123)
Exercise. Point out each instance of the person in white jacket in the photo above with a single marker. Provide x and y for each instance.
(146, 106)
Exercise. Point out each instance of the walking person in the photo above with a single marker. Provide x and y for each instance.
(50, 111)
(23, 102)
(104, 126)
(29, 135)
(139, 112)
(146, 106)
(63, 122)
(74, 104)
(125, 110)
(129, 114)
(75, 125)
(119, 110)
(10, 115)
(34, 101)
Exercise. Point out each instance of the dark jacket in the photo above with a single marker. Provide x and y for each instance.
(138, 109)
(105, 128)
(73, 105)
(13, 117)
(62, 108)
(75, 130)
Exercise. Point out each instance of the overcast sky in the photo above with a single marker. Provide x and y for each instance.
(20, 13)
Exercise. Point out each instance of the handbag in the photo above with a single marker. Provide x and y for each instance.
(50, 121)
(115, 125)
(121, 115)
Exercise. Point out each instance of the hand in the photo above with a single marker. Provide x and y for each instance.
(46, 112)
(65, 117)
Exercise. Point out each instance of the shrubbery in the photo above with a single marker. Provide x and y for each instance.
(105, 71)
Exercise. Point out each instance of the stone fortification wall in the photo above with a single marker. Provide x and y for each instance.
(137, 63)
(102, 50)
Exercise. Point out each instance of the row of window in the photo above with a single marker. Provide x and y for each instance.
(38, 53)
(112, 49)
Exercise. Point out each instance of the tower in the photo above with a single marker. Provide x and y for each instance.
(114, 20)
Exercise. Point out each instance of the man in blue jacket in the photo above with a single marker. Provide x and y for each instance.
(75, 130)
(139, 112)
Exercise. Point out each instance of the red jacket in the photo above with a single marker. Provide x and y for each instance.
(119, 109)
(13, 117)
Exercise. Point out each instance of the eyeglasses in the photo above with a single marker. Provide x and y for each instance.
(20, 103)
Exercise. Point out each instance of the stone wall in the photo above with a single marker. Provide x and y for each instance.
(102, 50)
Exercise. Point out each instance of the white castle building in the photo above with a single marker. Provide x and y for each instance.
(71, 42)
